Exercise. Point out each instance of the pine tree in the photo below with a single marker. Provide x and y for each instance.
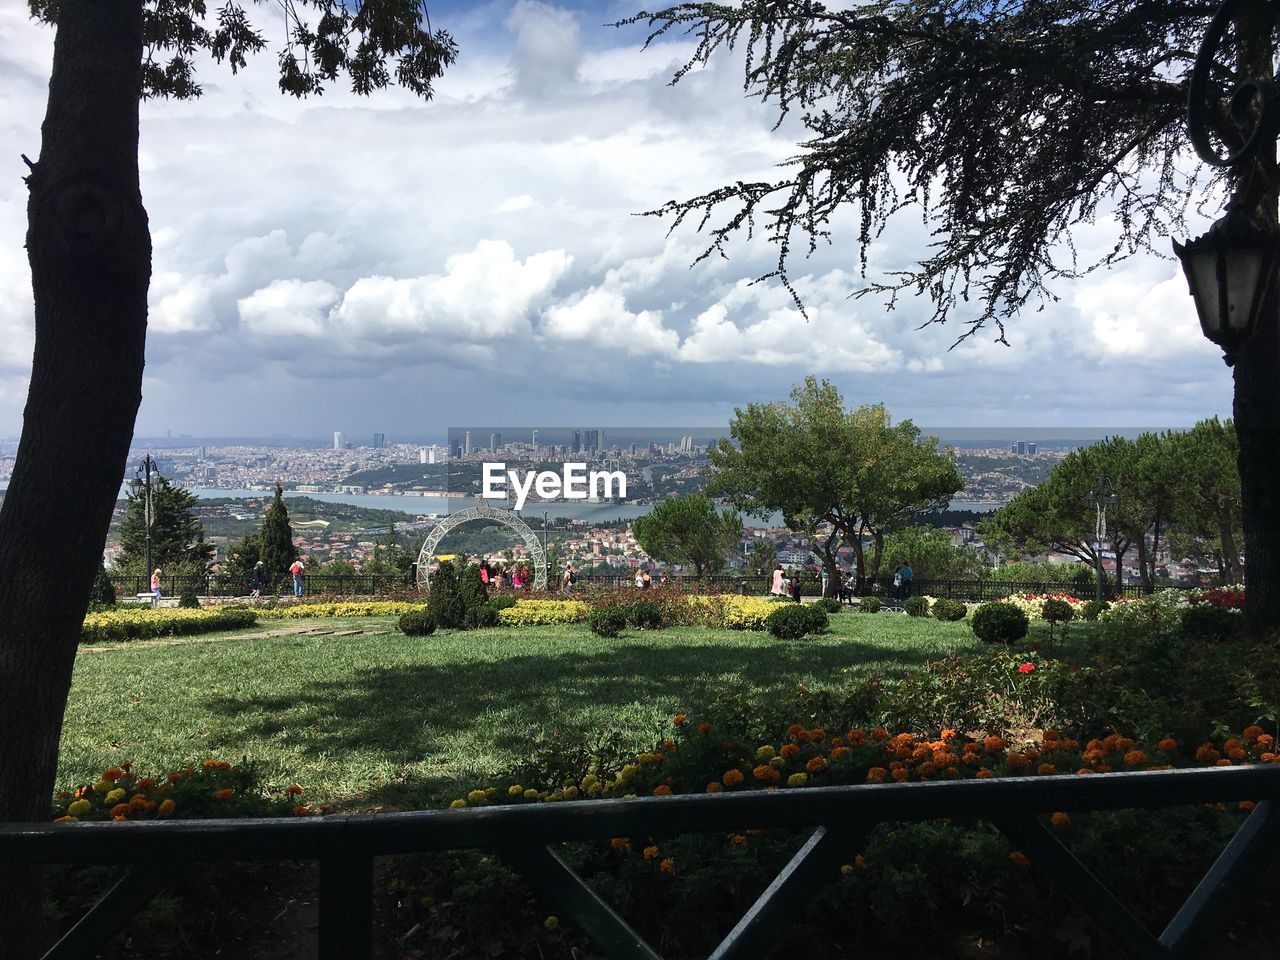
(275, 540)
(177, 537)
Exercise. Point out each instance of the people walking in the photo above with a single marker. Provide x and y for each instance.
(257, 580)
(779, 586)
(155, 585)
(897, 582)
(907, 575)
(795, 586)
(297, 569)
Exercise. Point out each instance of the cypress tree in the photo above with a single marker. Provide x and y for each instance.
(275, 540)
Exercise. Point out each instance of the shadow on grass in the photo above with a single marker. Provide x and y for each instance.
(476, 716)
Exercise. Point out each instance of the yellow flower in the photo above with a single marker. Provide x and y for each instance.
(589, 781)
(765, 753)
(113, 797)
(650, 853)
(846, 868)
(570, 792)
(79, 808)
(458, 804)
(475, 796)
(102, 786)
(515, 790)
(777, 763)
(629, 771)
(551, 922)
(531, 794)
(797, 780)
(594, 790)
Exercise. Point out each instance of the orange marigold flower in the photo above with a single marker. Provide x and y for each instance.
(293, 790)
(715, 786)
(1136, 758)
(65, 819)
(1246, 804)
(816, 765)
(1124, 744)
(766, 774)
(926, 769)
(112, 773)
(901, 774)
(1253, 732)
(1235, 743)
(948, 734)
(650, 852)
(860, 862)
(678, 719)
(840, 752)
(817, 734)
(1096, 744)
(877, 774)
(732, 778)
(984, 774)
(668, 866)
(1046, 769)
(789, 750)
(1069, 744)
(300, 810)
(739, 839)
(1083, 770)
(1019, 858)
(945, 758)
(856, 737)
(166, 808)
(146, 783)
(1049, 736)
(993, 744)
(138, 802)
(1268, 758)
(1266, 742)
(120, 811)
(880, 733)
(1207, 753)
(795, 730)
(1060, 820)
(1236, 753)
(620, 843)
(704, 728)
(1168, 745)
(1224, 762)
(224, 794)
(662, 790)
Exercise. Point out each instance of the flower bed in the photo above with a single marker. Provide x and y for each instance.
(343, 608)
(145, 623)
(529, 613)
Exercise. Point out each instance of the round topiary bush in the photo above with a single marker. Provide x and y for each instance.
(999, 622)
(1207, 622)
(949, 610)
(417, 623)
(916, 606)
(1058, 611)
(796, 620)
(870, 604)
(1094, 608)
(188, 599)
(607, 621)
(645, 615)
(830, 605)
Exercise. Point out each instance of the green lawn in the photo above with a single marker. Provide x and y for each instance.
(382, 719)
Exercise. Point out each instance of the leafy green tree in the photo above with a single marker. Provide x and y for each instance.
(389, 556)
(339, 568)
(177, 537)
(840, 476)
(275, 541)
(89, 246)
(1206, 517)
(242, 556)
(689, 530)
(761, 558)
(931, 554)
(1007, 128)
(1079, 576)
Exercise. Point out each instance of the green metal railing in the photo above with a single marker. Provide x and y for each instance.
(842, 817)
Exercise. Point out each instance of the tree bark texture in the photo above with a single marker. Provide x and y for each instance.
(90, 255)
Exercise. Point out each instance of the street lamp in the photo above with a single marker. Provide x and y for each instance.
(1231, 268)
(1102, 500)
(139, 485)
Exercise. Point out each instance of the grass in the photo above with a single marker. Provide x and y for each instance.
(380, 719)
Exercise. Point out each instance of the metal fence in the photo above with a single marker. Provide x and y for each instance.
(841, 818)
(362, 584)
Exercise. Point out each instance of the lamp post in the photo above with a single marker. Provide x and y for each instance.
(138, 486)
(1102, 500)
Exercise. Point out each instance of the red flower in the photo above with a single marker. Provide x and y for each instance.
(1026, 668)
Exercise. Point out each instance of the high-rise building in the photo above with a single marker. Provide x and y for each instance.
(495, 442)
(466, 445)
(431, 455)
(604, 444)
(422, 454)
(379, 440)
(338, 440)
(535, 439)
(1021, 447)
(591, 441)
(1031, 448)
(577, 441)
(455, 447)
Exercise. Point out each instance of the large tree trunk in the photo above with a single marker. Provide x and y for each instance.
(90, 254)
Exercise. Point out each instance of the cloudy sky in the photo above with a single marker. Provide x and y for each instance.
(388, 265)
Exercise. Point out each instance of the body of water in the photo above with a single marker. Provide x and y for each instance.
(421, 506)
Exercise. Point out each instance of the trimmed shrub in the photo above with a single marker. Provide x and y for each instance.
(645, 615)
(1058, 611)
(999, 622)
(140, 623)
(503, 601)
(188, 600)
(417, 623)
(796, 620)
(446, 604)
(830, 605)
(949, 610)
(1211, 623)
(870, 604)
(481, 617)
(536, 613)
(607, 621)
(1094, 609)
(916, 606)
(104, 592)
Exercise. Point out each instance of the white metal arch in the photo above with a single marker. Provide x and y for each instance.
(483, 512)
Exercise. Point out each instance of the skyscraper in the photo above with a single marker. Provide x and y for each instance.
(422, 454)
(466, 445)
(535, 440)
(379, 440)
(495, 442)
(1031, 448)
(577, 441)
(338, 439)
